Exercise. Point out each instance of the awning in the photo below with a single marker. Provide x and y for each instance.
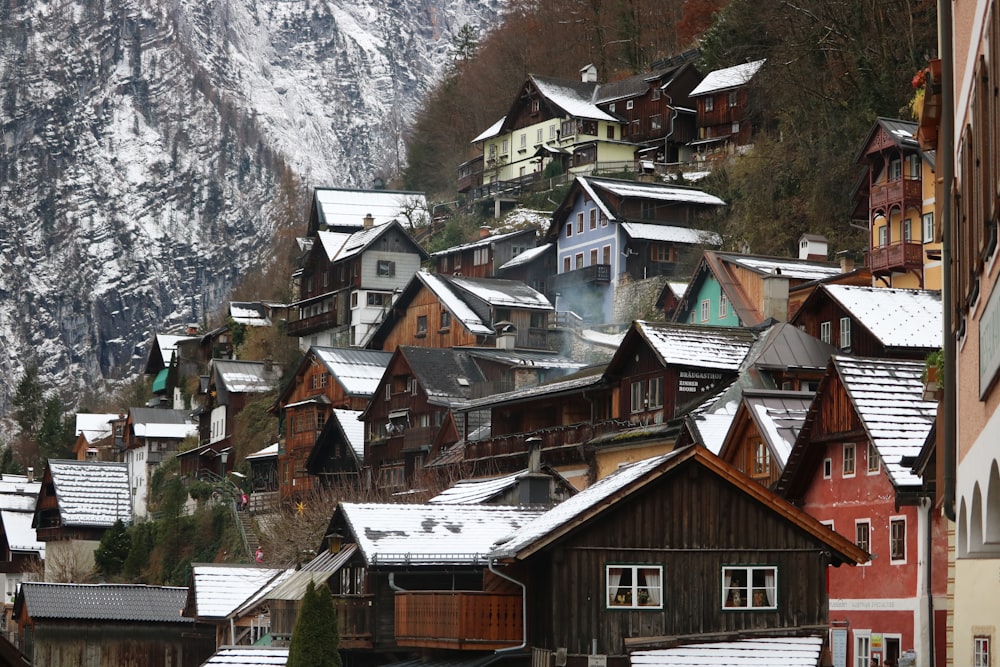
(160, 382)
(399, 414)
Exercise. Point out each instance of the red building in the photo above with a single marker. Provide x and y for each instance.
(851, 468)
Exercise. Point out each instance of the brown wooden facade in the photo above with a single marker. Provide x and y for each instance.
(426, 322)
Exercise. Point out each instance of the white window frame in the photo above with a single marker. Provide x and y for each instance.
(862, 648)
(981, 650)
(927, 224)
(895, 559)
(907, 230)
(723, 306)
(824, 331)
(857, 524)
(853, 449)
(845, 333)
(638, 396)
(709, 103)
(745, 597)
(706, 310)
(827, 468)
(619, 598)
(629, 105)
(883, 235)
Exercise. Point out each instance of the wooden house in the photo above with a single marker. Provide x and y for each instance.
(351, 268)
(216, 591)
(94, 436)
(327, 378)
(436, 310)
(152, 436)
(339, 453)
(263, 479)
(611, 232)
(723, 101)
(851, 468)
(732, 289)
(420, 387)
(873, 322)
(534, 267)
(22, 554)
(163, 357)
(763, 431)
(64, 625)
(481, 258)
(232, 385)
(613, 569)
(895, 198)
(77, 502)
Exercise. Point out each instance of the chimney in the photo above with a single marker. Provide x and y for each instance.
(534, 487)
(369, 221)
(484, 232)
(775, 303)
(31, 474)
(588, 74)
(846, 258)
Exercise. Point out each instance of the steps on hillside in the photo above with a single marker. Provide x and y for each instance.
(250, 531)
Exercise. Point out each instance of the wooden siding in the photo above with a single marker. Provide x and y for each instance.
(466, 620)
(741, 453)
(863, 344)
(691, 525)
(114, 645)
(426, 304)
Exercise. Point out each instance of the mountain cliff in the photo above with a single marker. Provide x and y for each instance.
(148, 149)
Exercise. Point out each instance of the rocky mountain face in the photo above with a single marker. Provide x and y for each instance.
(147, 144)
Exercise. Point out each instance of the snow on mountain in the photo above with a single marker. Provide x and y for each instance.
(144, 144)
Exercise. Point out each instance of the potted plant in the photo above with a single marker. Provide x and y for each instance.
(933, 375)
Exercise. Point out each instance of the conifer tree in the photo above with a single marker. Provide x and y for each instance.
(316, 637)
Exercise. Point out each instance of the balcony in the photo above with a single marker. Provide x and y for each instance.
(896, 258)
(461, 620)
(356, 621)
(905, 192)
(307, 325)
(515, 445)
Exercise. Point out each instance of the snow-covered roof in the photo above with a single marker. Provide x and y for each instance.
(503, 293)
(248, 656)
(94, 426)
(790, 268)
(358, 371)
(571, 508)
(220, 589)
(887, 394)
(391, 534)
(248, 313)
(91, 493)
(533, 358)
(603, 338)
(779, 417)
(526, 256)
(697, 346)
(729, 77)
(646, 231)
(458, 308)
(485, 241)
(576, 99)
(20, 535)
(475, 491)
(758, 652)
(657, 191)
(270, 450)
(244, 377)
(560, 386)
(337, 207)
(713, 428)
(897, 317)
(490, 132)
(168, 345)
(332, 242)
(353, 429)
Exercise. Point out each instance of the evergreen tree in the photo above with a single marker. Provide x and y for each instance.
(114, 549)
(29, 402)
(316, 637)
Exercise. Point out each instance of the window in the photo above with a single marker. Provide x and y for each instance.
(706, 306)
(897, 539)
(907, 231)
(386, 268)
(761, 461)
(552, 132)
(849, 453)
(655, 122)
(655, 394)
(606, 255)
(733, 97)
(579, 260)
(862, 649)
(611, 132)
(388, 392)
(637, 395)
(534, 105)
(593, 257)
(845, 333)
(524, 140)
(981, 651)
(655, 94)
(827, 468)
(538, 136)
(505, 148)
(883, 235)
(734, 128)
(354, 299)
(611, 107)
(873, 459)
(927, 235)
(895, 170)
(480, 256)
(604, 220)
(579, 222)
(629, 104)
(566, 265)
(634, 586)
(749, 587)
(863, 534)
(824, 331)
(661, 252)
(723, 306)
(421, 324)
(379, 298)
(709, 103)
(593, 218)
(445, 319)
(569, 229)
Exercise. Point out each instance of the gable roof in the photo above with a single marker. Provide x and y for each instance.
(357, 371)
(575, 98)
(783, 347)
(244, 377)
(757, 652)
(501, 293)
(94, 426)
(398, 534)
(587, 377)
(486, 241)
(217, 590)
(693, 345)
(600, 496)
(778, 416)
(20, 535)
(344, 207)
(90, 493)
(898, 318)
(161, 423)
(103, 602)
(250, 313)
(162, 349)
(445, 375)
(726, 78)
(526, 257)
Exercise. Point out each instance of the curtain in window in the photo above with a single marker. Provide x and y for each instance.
(653, 586)
(614, 578)
(769, 588)
(727, 586)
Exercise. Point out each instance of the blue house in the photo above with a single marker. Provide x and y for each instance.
(609, 232)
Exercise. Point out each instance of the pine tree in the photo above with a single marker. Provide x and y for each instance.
(114, 549)
(316, 636)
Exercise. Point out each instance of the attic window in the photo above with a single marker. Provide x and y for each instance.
(656, 94)
(464, 382)
(629, 104)
(534, 106)
(386, 268)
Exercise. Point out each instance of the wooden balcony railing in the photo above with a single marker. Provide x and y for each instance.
(516, 444)
(459, 620)
(905, 191)
(356, 620)
(307, 325)
(900, 256)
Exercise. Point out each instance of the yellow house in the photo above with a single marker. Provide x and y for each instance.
(895, 199)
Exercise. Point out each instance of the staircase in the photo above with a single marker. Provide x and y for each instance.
(250, 539)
